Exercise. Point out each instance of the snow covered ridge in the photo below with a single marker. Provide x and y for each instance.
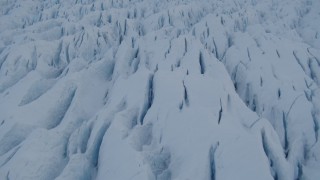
(159, 89)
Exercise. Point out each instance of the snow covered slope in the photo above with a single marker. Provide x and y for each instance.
(159, 90)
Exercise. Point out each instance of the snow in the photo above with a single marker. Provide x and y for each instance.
(159, 90)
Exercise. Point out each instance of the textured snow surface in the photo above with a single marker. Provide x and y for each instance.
(159, 90)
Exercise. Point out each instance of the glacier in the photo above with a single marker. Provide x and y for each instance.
(159, 89)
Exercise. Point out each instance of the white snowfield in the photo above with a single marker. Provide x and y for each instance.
(159, 89)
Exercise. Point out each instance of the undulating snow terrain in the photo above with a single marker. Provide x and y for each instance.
(159, 89)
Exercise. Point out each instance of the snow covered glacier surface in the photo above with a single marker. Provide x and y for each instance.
(159, 89)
